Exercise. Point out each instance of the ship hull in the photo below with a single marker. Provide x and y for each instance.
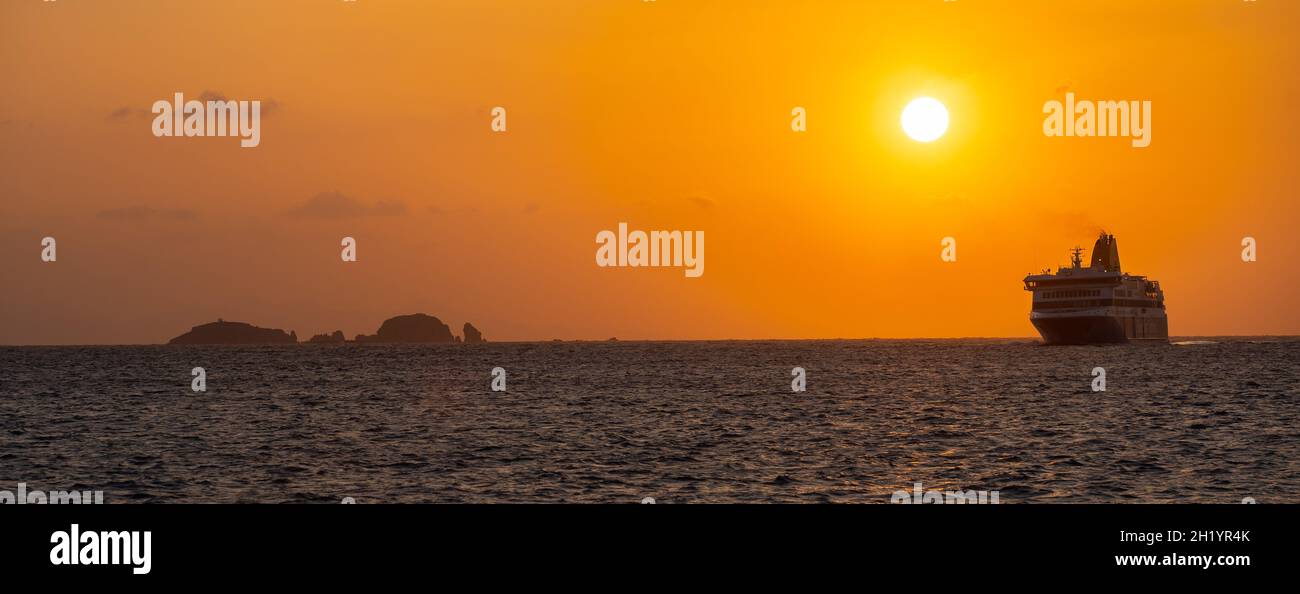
(1101, 329)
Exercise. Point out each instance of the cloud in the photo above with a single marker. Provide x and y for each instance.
(269, 106)
(702, 202)
(144, 213)
(127, 112)
(334, 205)
(437, 210)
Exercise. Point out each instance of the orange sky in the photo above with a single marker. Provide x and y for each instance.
(671, 114)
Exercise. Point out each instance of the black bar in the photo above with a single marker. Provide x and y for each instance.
(321, 543)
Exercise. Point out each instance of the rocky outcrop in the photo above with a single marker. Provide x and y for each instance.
(223, 332)
(410, 328)
(413, 328)
(472, 335)
(336, 337)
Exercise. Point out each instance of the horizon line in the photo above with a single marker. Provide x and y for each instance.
(615, 339)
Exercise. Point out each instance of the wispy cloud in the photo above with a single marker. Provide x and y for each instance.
(269, 106)
(127, 112)
(702, 202)
(144, 213)
(335, 205)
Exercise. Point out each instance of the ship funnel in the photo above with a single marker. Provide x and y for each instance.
(1105, 253)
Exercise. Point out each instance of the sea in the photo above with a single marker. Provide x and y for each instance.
(1198, 420)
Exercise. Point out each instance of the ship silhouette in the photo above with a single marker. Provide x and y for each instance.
(1099, 303)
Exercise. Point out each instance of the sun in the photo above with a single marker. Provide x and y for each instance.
(925, 119)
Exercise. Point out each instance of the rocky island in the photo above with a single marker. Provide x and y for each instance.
(412, 328)
(472, 335)
(223, 332)
(336, 337)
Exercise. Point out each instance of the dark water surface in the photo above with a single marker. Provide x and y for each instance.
(681, 422)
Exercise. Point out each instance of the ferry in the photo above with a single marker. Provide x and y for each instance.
(1097, 304)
